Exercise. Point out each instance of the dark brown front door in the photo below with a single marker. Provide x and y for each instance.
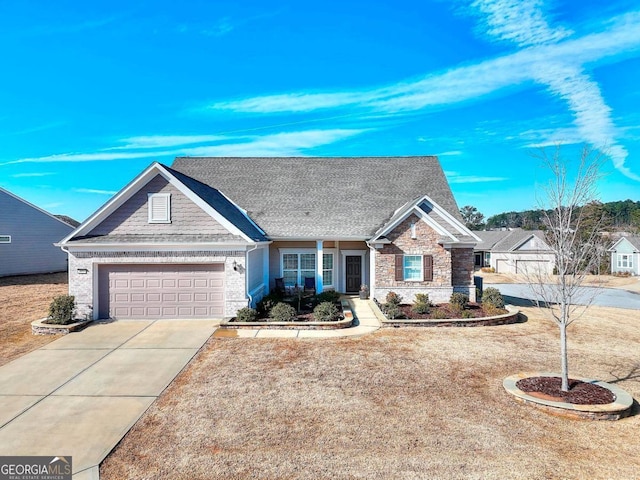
(354, 273)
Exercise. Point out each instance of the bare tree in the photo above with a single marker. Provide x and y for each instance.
(572, 236)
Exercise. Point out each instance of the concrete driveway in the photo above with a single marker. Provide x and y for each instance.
(79, 395)
(520, 294)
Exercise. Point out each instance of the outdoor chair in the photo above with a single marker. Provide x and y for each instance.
(310, 284)
(280, 286)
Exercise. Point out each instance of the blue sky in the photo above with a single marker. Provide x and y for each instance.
(93, 92)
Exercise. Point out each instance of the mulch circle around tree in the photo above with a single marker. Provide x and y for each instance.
(580, 393)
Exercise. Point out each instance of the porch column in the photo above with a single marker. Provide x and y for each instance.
(319, 264)
(372, 271)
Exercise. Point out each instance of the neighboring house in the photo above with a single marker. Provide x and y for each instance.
(625, 255)
(210, 235)
(514, 251)
(27, 238)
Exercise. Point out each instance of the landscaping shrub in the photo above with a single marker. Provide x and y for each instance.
(62, 310)
(438, 314)
(459, 301)
(326, 312)
(268, 302)
(393, 312)
(488, 270)
(467, 314)
(246, 314)
(492, 296)
(282, 312)
(422, 303)
(393, 298)
(327, 296)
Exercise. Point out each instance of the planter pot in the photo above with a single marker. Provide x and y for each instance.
(364, 295)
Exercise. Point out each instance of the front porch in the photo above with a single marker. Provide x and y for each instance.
(341, 265)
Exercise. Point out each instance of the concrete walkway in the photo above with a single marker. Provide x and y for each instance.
(365, 322)
(79, 395)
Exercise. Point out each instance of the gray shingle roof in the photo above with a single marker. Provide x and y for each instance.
(319, 197)
(157, 238)
(221, 205)
(505, 240)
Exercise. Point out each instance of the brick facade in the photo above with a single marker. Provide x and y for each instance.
(452, 268)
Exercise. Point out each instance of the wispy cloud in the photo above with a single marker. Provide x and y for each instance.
(34, 129)
(550, 56)
(34, 174)
(449, 153)
(96, 191)
(72, 27)
(223, 25)
(455, 177)
(163, 141)
(525, 24)
(278, 144)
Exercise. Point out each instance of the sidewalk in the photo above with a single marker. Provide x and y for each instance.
(365, 322)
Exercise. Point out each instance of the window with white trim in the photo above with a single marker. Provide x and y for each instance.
(412, 268)
(327, 269)
(297, 266)
(159, 207)
(625, 260)
(5, 238)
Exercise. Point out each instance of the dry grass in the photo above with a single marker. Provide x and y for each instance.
(398, 404)
(22, 300)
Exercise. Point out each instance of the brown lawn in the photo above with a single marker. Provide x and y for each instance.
(22, 300)
(608, 281)
(398, 404)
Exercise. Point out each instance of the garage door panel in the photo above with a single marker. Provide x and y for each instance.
(161, 291)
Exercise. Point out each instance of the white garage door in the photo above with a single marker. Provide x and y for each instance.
(161, 291)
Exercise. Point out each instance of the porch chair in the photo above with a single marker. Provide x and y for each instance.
(280, 286)
(310, 284)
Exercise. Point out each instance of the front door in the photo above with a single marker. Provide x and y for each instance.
(353, 270)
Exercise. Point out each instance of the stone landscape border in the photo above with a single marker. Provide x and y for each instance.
(616, 410)
(345, 323)
(38, 327)
(504, 319)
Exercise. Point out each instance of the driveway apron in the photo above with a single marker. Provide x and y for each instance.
(79, 395)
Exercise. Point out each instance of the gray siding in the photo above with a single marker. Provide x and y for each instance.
(133, 216)
(33, 234)
(256, 268)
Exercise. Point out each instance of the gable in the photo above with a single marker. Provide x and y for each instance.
(22, 220)
(132, 217)
(532, 244)
(624, 246)
(319, 198)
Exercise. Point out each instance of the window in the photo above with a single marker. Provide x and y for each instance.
(5, 238)
(327, 269)
(414, 268)
(625, 260)
(159, 207)
(297, 266)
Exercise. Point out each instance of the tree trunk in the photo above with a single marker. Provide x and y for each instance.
(564, 357)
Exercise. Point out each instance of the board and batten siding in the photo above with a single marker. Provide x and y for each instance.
(132, 217)
(33, 234)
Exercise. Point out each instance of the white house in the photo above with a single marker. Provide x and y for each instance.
(625, 255)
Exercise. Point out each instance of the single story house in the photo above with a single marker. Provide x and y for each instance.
(27, 238)
(208, 236)
(625, 255)
(514, 251)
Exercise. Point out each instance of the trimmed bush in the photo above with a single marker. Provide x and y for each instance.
(326, 312)
(467, 314)
(246, 314)
(488, 270)
(268, 302)
(283, 312)
(327, 296)
(492, 296)
(393, 298)
(393, 312)
(422, 303)
(62, 310)
(438, 314)
(459, 301)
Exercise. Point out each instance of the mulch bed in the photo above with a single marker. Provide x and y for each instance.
(444, 311)
(580, 393)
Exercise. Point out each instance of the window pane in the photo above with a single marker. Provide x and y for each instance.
(306, 273)
(327, 261)
(290, 261)
(308, 261)
(413, 267)
(290, 277)
(327, 277)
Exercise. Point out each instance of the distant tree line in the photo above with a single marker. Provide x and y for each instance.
(619, 215)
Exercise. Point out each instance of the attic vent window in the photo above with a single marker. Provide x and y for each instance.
(159, 207)
(5, 238)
